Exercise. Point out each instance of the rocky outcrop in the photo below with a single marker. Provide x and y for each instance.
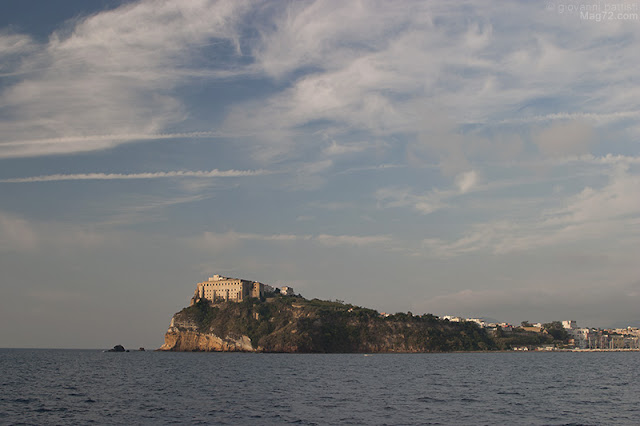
(183, 336)
(297, 325)
(191, 341)
(117, 348)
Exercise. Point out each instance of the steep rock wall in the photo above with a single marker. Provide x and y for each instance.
(183, 336)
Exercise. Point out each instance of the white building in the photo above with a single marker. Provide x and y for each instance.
(287, 291)
(478, 321)
(452, 318)
(580, 337)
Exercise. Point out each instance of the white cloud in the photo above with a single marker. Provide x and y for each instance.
(112, 73)
(409, 75)
(16, 234)
(619, 200)
(146, 209)
(593, 215)
(233, 238)
(562, 139)
(307, 34)
(336, 149)
(27, 236)
(366, 66)
(351, 240)
(609, 159)
(601, 118)
(404, 197)
(466, 181)
(485, 237)
(36, 147)
(12, 46)
(308, 175)
(333, 205)
(394, 197)
(154, 175)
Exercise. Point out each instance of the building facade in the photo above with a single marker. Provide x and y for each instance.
(219, 288)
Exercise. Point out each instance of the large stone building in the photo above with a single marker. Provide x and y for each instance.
(218, 288)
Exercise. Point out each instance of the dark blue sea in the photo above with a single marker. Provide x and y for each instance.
(44, 387)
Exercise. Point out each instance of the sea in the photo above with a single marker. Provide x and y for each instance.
(53, 386)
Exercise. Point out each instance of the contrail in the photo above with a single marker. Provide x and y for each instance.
(121, 137)
(155, 175)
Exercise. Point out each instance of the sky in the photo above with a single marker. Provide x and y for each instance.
(469, 158)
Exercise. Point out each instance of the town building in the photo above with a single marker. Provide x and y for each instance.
(478, 321)
(452, 318)
(286, 291)
(591, 338)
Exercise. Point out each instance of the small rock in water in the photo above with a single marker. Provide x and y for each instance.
(117, 348)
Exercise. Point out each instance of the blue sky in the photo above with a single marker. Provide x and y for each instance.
(473, 159)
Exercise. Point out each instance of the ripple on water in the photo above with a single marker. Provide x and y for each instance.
(429, 399)
(91, 387)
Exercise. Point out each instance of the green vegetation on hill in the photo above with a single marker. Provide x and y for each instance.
(294, 324)
(519, 338)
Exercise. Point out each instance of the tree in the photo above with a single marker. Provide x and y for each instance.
(556, 330)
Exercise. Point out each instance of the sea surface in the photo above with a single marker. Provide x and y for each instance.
(42, 386)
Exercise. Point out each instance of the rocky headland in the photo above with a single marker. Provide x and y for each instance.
(293, 324)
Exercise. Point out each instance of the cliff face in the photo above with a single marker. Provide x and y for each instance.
(183, 336)
(294, 324)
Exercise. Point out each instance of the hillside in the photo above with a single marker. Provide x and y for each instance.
(298, 325)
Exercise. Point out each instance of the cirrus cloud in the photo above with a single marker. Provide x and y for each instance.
(152, 175)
